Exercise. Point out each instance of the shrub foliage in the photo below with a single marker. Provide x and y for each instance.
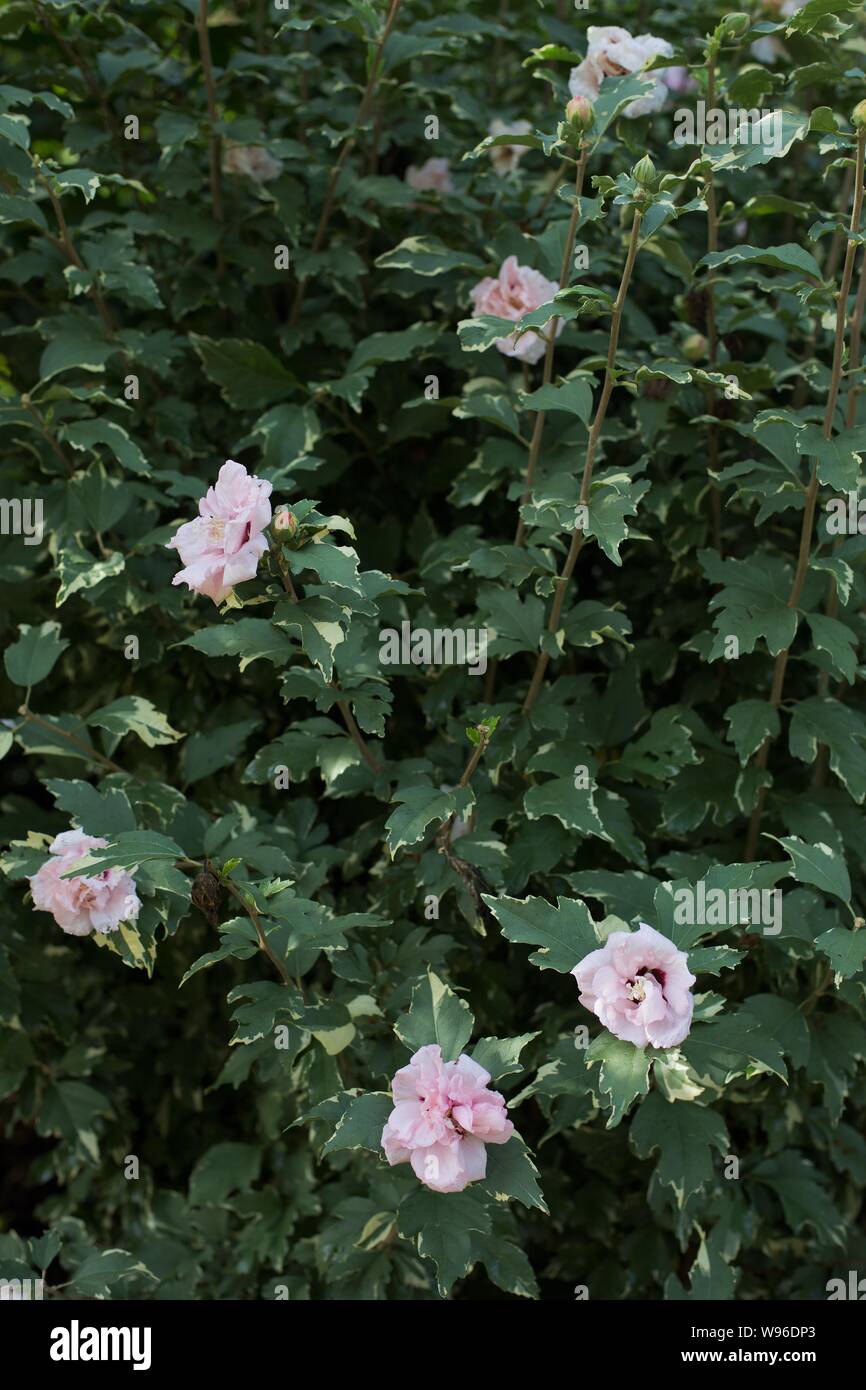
(343, 857)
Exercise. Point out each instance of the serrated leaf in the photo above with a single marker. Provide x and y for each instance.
(565, 933)
(436, 1015)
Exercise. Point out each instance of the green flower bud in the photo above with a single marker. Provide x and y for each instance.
(734, 26)
(285, 520)
(644, 172)
(579, 114)
(695, 347)
(858, 116)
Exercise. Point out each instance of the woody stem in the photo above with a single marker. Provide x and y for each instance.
(578, 535)
(806, 529)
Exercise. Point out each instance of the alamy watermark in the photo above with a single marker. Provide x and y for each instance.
(715, 125)
(12, 1290)
(718, 907)
(846, 515)
(22, 517)
(437, 646)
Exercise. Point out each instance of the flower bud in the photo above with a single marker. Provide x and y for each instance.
(734, 26)
(579, 114)
(858, 116)
(644, 172)
(694, 347)
(285, 520)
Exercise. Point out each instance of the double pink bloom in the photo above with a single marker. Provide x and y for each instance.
(224, 544)
(515, 291)
(84, 904)
(442, 1118)
(639, 984)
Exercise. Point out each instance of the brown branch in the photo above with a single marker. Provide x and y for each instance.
(579, 535)
(213, 118)
(712, 333)
(330, 192)
(760, 761)
(92, 754)
(252, 912)
(75, 60)
(342, 705)
(47, 435)
(64, 243)
(547, 374)
(831, 607)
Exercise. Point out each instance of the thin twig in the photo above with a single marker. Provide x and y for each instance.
(808, 523)
(712, 333)
(215, 142)
(92, 754)
(579, 534)
(330, 192)
(342, 705)
(65, 244)
(547, 374)
(252, 912)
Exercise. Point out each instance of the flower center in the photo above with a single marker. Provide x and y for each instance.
(448, 1117)
(637, 986)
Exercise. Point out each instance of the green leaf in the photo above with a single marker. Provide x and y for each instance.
(392, 347)
(686, 1135)
(223, 1169)
(442, 1224)
(606, 512)
(126, 850)
(361, 1124)
(248, 375)
(845, 950)
(205, 753)
(817, 864)
(257, 1019)
(839, 641)
(512, 1175)
(735, 1045)
(816, 721)
(506, 1265)
(96, 813)
(71, 1109)
(751, 722)
(436, 1015)
(427, 256)
(249, 638)
(87, 434)
(420, 805)
(785, 1021)
(574, 396)
(501, 1056)
(97, 1275)
(80, 571)
(75, 339)
(623, 1074)
(776, 131)
(336, 565)
(573, 807)
(132, 714)
(237, 939)
(801, 1190)
(29, 660)
(711, 1277)
(565, 933)
(788, 257)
